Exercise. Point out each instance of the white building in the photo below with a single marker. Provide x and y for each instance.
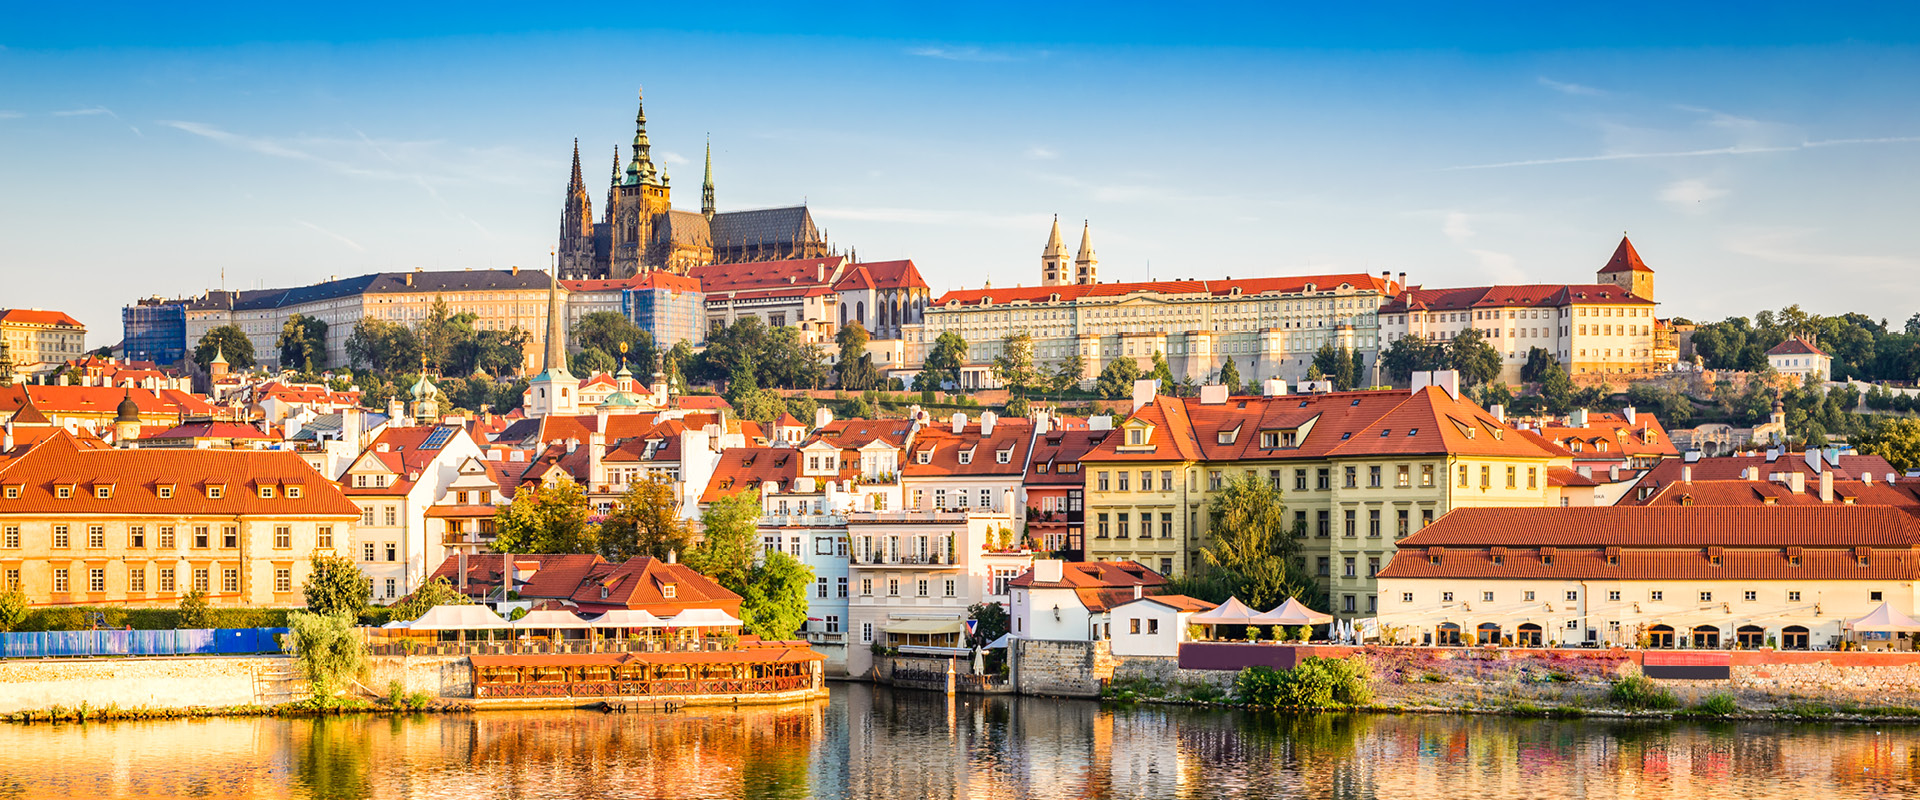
(1154, 625)
(403, 473)
(1059, 601)
(915, 573)
(1798, 357)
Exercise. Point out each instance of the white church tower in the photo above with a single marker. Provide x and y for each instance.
(554, 391)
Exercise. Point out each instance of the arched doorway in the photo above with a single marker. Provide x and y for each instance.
(1527, 635)
(1794, 637)
(1706, 637)
(1486, 633)
(1660, 636)
(1751, 636)
(1447, 634)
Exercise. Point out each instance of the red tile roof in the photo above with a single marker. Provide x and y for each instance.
(34, 316)
(944, 449)
(1058, 448)
(743, 469)
(1096, 575)
(1249, 287)
(638, 583)
(1567, 476)
(1625, 259)
(212, 430)
(134, 478)
(1725, 468)
(485, 571)
(900, 274)
(1757, 493)
(1610, 434)
(1736, 563)
(766, 274)
(101, 401)
(1546, 295)
(406, 455)
(1698, 526)
(1795, 346)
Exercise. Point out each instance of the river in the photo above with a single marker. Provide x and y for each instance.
(868, 742)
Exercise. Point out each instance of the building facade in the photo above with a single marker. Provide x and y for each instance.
(818, 296)
(40, 341)
(154, 329)
(85, 524)
(393, 484)
(1799, 358)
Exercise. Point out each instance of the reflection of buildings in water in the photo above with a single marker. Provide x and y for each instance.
(217, 758)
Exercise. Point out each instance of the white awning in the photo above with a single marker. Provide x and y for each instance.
(629, 618)
(459, 618)
(548, 619)
(1292, 612)
(1232, 612)
(1884, 618)
(703, 618)
(926, 626)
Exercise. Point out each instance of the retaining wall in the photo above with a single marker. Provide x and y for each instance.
(185, 682)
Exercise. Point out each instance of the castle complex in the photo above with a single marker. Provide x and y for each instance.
(640, 231)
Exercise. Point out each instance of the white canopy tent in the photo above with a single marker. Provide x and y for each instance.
(629, 618)
(459, 618)
(1291, 613)
(703, 618)
(1232, 612)
(551, 619)
(1884, 619)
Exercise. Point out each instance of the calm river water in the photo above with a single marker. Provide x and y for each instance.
(868, 742)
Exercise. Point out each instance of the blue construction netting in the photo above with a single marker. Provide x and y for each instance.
(63, 644)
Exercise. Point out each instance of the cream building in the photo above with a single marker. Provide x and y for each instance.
(1799, 358)
(913, 574)
(39, 341)
(1676, 576)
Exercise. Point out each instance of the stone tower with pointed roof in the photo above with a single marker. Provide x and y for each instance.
(555, 390)
(643, 199)
(576, 225)
(706, 187)
(1086, 266)
(1053, 260)
(1627, 271)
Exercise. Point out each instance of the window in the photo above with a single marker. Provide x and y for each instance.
(1166, 480)
(136, 536)
(1404, 477)
(1526, 596)
(840, 588)
(866, 633)
(1446, 597)
(96, 536)
(283, 536)
(1373, 566)
(1463, 476)
(1213, 480)
(60, 581)
(266, 492)
(10, 537)
(1426, 476)
(1166, 525)
(1793, 597)
(1706, 597)
(1486, 597)
(1406, 597)
(324, 538)
(293, 492)
(214, 492)
(986, 499)
(229, 536)
(953, 588)
(366, 517)
(1324, 566)
(1486, 477)
(1656, 595)
(1323, 479)
(282, 579)
(1100, 526)
(103, 492)
(1120, 526)
(1166, 566)
(1875, 597)
(392, 589)
(1136, 436)
(1533, 477)
(1123, 479)
(61, 539)
(1323, 524)
(166, 579)
(230, 580)
(1373, 522)
(893, 587)
(1402, 519)
(96, 580)
(1749, 596)
(1513, 477)
(202, 580)
(820, 588)
(393, 552)
(1347, 568)
(1573, 596)
(866, 587)
(137, 579)
(392, 516)
(1346, 603)
(63, 492)
(1100, 479)
(1373, 477)
(1351, 477)
(1352, 520)
(1613, 595)
(13, 493)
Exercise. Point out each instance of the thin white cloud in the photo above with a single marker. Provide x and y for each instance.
(1039, 152)
(336, 237)
(1692, 195)
(1787, 246)
(925, 216)
(1499, 266)
(426, 164)
(1713, 151)
(87, 112)
(966, 54)
(674, 158)
(1571, 88)
(1457, 227)
(10, 114)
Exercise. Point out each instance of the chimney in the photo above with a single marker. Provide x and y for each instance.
(1866, 479)
(987, 418)
(596, 457)
(673, 556)
(1143, 392)
(1629, 413)
(1273, 387)
(1421, 380)
(1750, 474)
(517, 455)
(1826, 486)
(822, 417)
(959, 422)
(572, 445)
(1686, 474)
(1041, 420)
(1613, 473)
(1136, 591)
(1586, 471)
(6, 439)
(600, 417)
(1498, 411)
(1213, 395)
(409, 279)
(1403, 280)
(1449, 380)
(1048, 570)
(1103, 422)
(1797, 481)
(1577, 418)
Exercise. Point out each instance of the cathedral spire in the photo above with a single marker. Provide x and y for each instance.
(577, 186)
(556, 357)
(706, 188)
(1054, 246)
(641, 169)
(1086, 262)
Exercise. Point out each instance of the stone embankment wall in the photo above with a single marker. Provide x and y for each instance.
(1060, 669)
(186, 682)
(440, 676)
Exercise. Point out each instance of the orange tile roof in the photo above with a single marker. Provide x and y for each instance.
(743, 469)
(100, 401)
(943, 447)
(1541, 295)
(406, 455)
(1249, 287)
(34, 316)
(1672, 526)
(136, 475)
(715, 278)
(1096, 575)
(1729, 468)
(1758, 493)
(1635, 564)
(1642, 437)
(1057, 448)
(1625, 259)
(1795, 346)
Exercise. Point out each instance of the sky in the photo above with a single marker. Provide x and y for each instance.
(1758, 154)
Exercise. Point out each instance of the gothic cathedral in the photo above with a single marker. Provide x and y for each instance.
(642, 232)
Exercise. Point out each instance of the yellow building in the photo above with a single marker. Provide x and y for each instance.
(84, 524)
(1357, 471)
(40, 341)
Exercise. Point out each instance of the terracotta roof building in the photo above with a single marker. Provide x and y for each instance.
(1798, 357)
(40, 341)
(1708, 576)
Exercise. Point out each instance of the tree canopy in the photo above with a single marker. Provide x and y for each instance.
(337, 586)
(856, 372)
(1252, 552)
(1014, 366)
(773, 599)
(1116, 380)
(546, 519)
(303, 343)
(644, 523)
(728, 530)
(228, 340)
(948, 355)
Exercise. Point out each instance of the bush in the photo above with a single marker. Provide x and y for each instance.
(1718, 704)
(194, 612)
(13, 609)
(1313, 684)
(327, 650)
(1640, 692)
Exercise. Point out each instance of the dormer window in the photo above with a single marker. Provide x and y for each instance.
(266, 493)
(1136, 436)
(966, 456)
(1003, 456)
(605, 592)
(293, 492)
(924, 456)
(63, 492)
(103, 492)
(666, 590)
(215, 491)
(165, 491)
(13, 493)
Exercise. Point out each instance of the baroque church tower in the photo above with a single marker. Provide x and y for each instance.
(576, 226)
(1627, 271)
(1054, 270)
(643, 197)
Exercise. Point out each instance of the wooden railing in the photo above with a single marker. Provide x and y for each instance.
(654, 688)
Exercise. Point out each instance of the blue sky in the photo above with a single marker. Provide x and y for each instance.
(1759, 154)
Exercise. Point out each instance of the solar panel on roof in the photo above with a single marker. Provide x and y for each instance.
(437, 438)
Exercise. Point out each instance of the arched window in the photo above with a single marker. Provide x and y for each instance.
(1487, 633)
(860, 312)
(1660, 636)
(1751, 636)
(1527, 635)
(1706, 636)
(1794, 637)
(843, 315)
(1447, 634)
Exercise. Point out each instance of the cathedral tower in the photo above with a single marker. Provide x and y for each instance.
(1086, 264)
(643, 196)
(706, 187)
(576, 226)
(554, 390)
(1627, 271)
(1053, 260)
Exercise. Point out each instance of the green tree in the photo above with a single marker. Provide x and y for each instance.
(589, 362)
(1471, 356)
(948, 355)
(773, 602)
(991, 621)
(13, 609)
(674, 363)
(442, 333)
(228, 340)
(607, 330)
(1337, 364)
(1556, 389)
(1163, 373)
(303, 343)
(1897, 440)
(1409, 354)
(745, 339)
(728, 529)
(1014, 366)
(327, 650)
(1066, 377)
(1018, 406)
(742, 382)
(546, 519)
(1536, 367)
(490, 351)
(194, 613)
(789, 362)
(1230, 376)
(1253, 544)
(337, 587)
(382, 345)
(644, 523)
(435, 592)
(856, 372)
(1116, 380)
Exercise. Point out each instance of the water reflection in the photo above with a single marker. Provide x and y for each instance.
(872, 743)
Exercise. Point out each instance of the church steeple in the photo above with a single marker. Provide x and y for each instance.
(641, 169)
(556, 356)
(706, 187)
(1053, 260)
(576, 225)
(1086, 262)
(555, 390)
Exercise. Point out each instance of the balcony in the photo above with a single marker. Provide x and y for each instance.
(903, 560)
(803, 521)
(908, 517)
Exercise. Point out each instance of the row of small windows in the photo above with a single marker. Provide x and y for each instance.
(165, 537)
(165, 491)
(1614, 596)
(166, 579)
